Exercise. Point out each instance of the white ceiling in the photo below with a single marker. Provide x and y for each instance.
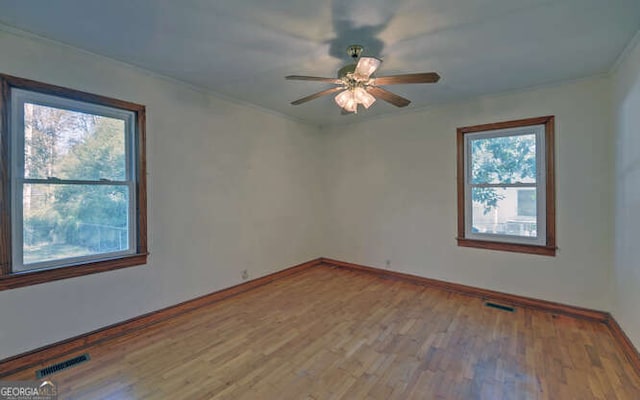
(244, 48)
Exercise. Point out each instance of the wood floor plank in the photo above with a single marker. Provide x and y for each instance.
(328, 333)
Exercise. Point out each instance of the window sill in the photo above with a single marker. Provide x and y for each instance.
(512, 247)
(41, 276)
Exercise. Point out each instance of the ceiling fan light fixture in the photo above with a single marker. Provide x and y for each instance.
(352, 106)
(347, 101)
(367, 66)
(357, 85)
(363, 97)
(343, 97)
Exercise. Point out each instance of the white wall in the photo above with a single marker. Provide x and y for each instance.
(230, 187)
(626, 111)
(393, 195)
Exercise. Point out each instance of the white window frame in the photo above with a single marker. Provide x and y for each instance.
(17, 142)
(545, 242)
(539, 185)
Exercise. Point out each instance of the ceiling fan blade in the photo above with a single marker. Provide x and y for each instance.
(313, 78)
(367, 66)
(316, 95)
(423, 77)
(389, 97)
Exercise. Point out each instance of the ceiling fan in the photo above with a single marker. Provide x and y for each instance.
(357, 85)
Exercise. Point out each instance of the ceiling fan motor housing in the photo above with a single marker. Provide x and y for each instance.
(347, 69)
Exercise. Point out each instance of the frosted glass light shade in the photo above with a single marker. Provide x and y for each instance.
(350, 98)
(347, 100)
(351, 106)
(363, 97)
(343, 97)
(367, 66)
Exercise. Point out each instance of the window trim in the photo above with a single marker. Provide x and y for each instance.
(548, 248)
(10, 279)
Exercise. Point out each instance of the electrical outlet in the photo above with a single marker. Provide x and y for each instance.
(388, 264)
(245, 275)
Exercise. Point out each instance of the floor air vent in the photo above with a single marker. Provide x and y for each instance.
(51, 369)
(500, 307)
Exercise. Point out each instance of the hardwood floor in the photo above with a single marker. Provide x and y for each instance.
(328, 333)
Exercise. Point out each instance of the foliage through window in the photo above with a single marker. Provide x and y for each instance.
(74, 195)
(505, 186)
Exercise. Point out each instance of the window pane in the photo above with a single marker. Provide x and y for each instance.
(497, 210)
(72, 145)
(527, 202)
(506, 159)
(65, 221)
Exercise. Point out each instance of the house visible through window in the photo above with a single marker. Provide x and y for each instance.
(526, 203)
(505, 186)
(75, 186)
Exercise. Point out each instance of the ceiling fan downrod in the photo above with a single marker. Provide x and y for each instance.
(354, 51)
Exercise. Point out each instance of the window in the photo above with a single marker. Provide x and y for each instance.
(506, 186)
(73, 187)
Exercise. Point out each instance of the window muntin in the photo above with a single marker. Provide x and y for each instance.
(505, 186)
(73, 181)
